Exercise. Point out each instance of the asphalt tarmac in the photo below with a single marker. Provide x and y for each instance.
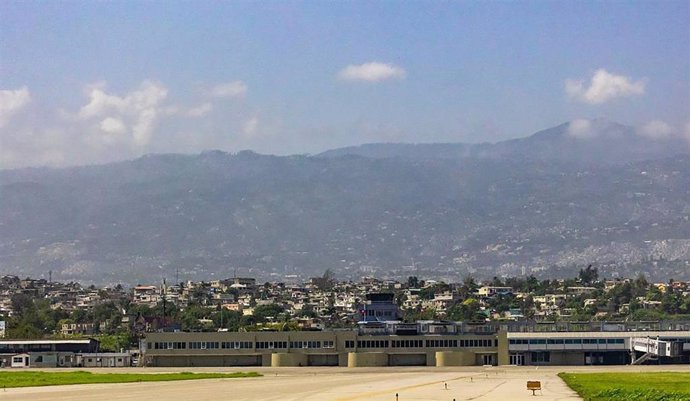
(335, 384)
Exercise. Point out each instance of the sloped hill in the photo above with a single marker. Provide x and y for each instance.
(203, 216)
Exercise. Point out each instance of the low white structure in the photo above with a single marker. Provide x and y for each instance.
(20, 361)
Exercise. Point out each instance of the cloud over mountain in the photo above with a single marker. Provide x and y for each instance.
(11, 101)
(135, 114)
(580, 128)
(657, 129)
(604, 86)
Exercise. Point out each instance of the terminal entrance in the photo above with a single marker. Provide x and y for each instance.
(517, 359)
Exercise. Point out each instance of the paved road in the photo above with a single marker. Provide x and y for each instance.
(333, 384)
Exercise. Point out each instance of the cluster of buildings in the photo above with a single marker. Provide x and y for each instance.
(336, 302)
(64, 296)
(377, 336)
(341, 301)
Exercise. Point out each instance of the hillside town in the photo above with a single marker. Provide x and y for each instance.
(39, 308)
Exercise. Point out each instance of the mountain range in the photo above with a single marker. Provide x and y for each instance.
(576, 194)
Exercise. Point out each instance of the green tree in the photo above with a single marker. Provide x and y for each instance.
(191, 315)
(25, 331)
(262, 313)
(467, 310)
(468, 288)
(589, 275)
(116, 342)
(227, 319)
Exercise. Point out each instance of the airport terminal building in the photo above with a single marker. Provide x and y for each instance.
(429, 343)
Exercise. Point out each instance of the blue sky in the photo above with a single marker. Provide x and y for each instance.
(92, 82)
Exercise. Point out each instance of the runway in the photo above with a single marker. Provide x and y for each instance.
(334, 384)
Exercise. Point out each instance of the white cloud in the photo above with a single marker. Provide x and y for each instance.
(230, 89)
(135, 113)
(604, 86)
(372, 72)
(581, 129)
(11, 101)
(200, 110)
(656, 129)
(113, 126)
(250, 126)
(143, 127)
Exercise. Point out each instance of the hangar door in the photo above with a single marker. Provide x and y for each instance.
(242, 360)
(323, 360)
(407, 360)
(208, 360)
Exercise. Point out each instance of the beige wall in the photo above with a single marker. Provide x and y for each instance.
(503, 352)
(366, 359)
(455, 358)
(291, 359)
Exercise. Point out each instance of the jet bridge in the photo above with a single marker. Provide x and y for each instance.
(653, 349)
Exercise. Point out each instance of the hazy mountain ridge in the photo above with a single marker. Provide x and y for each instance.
(208, 214)
(597, 142)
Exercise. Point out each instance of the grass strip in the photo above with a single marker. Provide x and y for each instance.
(653, 386)
(33, 379)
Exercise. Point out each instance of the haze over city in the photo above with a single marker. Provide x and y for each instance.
(89, 83)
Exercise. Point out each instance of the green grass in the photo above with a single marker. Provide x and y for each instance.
(661, 386)
(32, 379)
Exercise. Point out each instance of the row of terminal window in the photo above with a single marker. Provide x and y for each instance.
(169, 345)
(348, 344)
(204, 345)
(379, 313)
(560, 341)
(461, 343)
(242, 344)
(295, 344)
(421, 343)
(312, 344)
(236, 344)
(271, 344)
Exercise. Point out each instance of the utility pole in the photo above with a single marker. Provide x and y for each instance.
(164, 291)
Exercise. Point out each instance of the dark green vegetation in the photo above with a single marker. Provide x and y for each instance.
(32, 379)
(546, 200)
(662, 386)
